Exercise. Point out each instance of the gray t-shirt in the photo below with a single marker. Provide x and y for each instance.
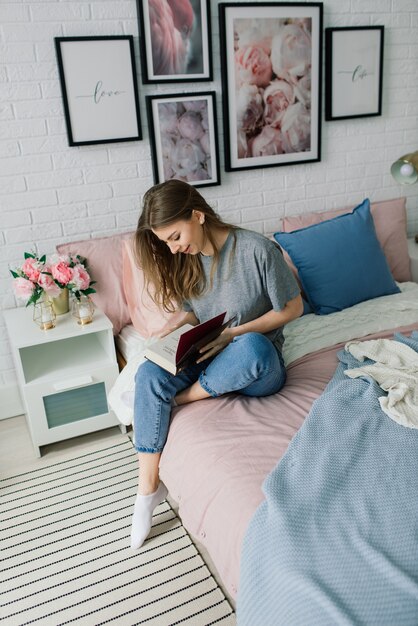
(255, 280)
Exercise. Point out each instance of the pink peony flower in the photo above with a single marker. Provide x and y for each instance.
(249, 108)
(23, 288)
(303, 90)
(31, 268)
(267, 143)
(190, 126)
(278, 96)
(291, 51)
(167, 115)
(296, 129)
(205, 143)
(80, 278)
(195, 105)
(242, 144)
(187, 157)
(250, 32)
(62, 272)
(167, 151)
(253, 66)
(46, 282)
(200, 174)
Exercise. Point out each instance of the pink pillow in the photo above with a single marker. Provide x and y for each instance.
(389, 218)
(104, 260)
(146, 317)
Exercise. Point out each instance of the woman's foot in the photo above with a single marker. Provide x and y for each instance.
(142, 517)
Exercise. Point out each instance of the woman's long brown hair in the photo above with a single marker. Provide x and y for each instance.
(174, 277)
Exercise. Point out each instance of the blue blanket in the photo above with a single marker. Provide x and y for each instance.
(336, 539)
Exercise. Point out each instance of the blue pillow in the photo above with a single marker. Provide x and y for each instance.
(339, 261)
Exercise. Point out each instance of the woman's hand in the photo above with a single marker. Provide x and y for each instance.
(217, 345)
(189, 318)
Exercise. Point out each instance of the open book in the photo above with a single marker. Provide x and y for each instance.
(180, 349)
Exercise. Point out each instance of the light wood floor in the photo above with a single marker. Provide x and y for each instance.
(17, 455)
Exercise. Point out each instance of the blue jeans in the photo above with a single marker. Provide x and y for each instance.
(249, 365)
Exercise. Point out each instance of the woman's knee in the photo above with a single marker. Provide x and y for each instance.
(257, 348)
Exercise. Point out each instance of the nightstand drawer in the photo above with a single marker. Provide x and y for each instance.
(63, 409)
(78, 403)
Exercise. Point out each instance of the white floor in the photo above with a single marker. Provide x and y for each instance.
(17, 455)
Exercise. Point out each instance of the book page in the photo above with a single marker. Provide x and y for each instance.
(167, 346)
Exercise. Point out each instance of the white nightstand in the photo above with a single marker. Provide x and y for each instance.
(413, 255)
(64, 374)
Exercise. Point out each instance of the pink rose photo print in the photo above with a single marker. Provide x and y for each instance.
(271, 67)
(175, 40)
(183, 138)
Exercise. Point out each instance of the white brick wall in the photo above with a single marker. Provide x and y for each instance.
(50, 193)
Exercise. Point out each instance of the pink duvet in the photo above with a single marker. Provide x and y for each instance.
(219, 451)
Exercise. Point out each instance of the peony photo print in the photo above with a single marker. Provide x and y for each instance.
(271, 76)
(183, 137)
(175, 40)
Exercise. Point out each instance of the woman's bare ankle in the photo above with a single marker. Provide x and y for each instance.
(147, 488)
(191, 394)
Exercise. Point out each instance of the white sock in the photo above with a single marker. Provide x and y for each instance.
(142, 517)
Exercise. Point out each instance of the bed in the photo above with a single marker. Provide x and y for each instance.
(219, 452)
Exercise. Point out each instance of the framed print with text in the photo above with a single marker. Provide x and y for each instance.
(271, 56)
(175, 39)
(183, 137)
(99, 89)
(353, 72)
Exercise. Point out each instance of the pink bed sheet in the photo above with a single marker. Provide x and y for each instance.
(219, 451)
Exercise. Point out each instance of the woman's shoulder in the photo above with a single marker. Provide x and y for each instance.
(256, 241)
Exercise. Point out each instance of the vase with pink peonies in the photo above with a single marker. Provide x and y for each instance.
(53, 279)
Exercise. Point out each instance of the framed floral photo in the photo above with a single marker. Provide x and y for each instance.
(99, 89)
(353, 72)
(271, 58)
(183, 137)
(175, 40)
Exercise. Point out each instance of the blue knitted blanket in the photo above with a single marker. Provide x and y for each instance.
(336, 540)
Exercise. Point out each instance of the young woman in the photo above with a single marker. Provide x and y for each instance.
(198, 262)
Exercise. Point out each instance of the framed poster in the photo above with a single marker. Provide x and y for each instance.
(99, 89)
(353, 72)
(183, 137)
(271, 57)
(175, 39)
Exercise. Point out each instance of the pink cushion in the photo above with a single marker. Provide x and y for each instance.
(389, 218)
(146, 317)
(104, 260)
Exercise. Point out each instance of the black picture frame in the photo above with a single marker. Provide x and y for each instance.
(175, 43)
(353, 72)
(271, 90)
(99, 89)
(184, 137)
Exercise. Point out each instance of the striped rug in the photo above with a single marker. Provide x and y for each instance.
(65, 555)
